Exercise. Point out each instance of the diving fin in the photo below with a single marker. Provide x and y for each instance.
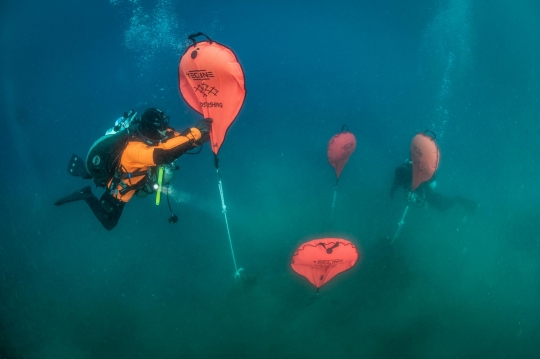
(77, 168)
(84, 193)
(469, 205)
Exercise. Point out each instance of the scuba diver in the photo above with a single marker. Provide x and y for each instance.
(424, 194)
(125, 161)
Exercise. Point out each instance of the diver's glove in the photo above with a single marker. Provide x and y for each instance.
(416, 199)
(204, 125)
(412, 197)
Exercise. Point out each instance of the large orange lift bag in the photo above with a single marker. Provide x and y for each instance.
(322, 259)
(425, 159)
(340, 148)
(211, 81)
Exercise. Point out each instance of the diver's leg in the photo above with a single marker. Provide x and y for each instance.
(107, 210)
(439, 201)
(469, 205)
(444, 203)
(84, 193)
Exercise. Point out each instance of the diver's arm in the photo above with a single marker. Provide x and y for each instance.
(398, 181)
(177, 146)
(402, 178)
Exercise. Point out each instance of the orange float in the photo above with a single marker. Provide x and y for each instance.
(322, 259)
(340, 148)
(211, 81)
(425, 158)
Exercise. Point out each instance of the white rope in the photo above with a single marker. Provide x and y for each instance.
(224, 211)
(400, 224)
(333, 202)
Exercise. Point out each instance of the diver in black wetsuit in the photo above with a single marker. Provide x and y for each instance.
(424, 194)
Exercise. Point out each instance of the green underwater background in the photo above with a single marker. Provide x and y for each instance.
(452, 285)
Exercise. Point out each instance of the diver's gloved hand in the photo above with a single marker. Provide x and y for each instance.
(204, 125)
(412, 197)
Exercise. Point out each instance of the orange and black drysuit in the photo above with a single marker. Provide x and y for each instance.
(139, 155)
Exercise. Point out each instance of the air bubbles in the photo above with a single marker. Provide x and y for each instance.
(447, 46)
(152, 32)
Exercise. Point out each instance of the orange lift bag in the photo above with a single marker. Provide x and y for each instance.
(322, 259)
(425, 158)
(340, 148)
(211, 81)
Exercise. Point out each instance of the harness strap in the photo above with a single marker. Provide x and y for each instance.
(128, 175)
(119, 177)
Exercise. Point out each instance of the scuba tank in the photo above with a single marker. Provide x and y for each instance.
(152, 184)
(168, 172)
(165, 176)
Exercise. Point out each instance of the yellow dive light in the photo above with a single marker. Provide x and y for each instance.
(159, 182)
